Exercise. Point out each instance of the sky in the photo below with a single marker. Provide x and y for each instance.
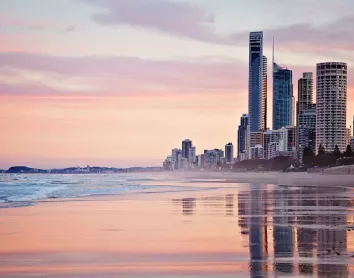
(120, 83)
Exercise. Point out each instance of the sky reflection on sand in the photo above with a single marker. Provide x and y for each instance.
(231, 230)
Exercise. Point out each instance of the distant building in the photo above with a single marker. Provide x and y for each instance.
(275, 141)
(348, 136)
(306, 130)
(282, 97)
(201, 161)
(272, 150)
(185, 163)
(191, 154)
(186, 145)
(243, 156)
(242, 136)
(292, 139)
(176, 159)
(256, 138)
(213, 158)
(306, 116)
(306, 139)
(352, 143)
(167, 164)
(256, 152)
(305, 93)
(229, 153)
(331, 105)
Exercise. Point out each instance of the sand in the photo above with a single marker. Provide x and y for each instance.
(220, 229)
(293, 179)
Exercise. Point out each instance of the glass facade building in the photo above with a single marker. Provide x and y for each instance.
(282, 97)
(257, 95)
(242, 135)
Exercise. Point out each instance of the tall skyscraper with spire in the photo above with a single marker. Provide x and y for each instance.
(283, 98)
(257, 85)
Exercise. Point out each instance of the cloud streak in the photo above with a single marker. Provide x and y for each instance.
(174, 17)
(187, 20)
(118, 75)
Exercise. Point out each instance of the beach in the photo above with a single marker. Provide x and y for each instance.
(278, 178)
(186, 225)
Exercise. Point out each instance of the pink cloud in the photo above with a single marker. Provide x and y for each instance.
(124, 75)
(174, 17)
(193, 21)
(31, 23)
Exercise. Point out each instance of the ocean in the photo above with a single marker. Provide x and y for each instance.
(27, 189)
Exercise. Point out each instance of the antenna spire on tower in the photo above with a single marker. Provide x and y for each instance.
(273, 56)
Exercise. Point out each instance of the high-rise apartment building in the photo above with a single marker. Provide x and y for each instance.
(176, 159)
(242, 136)
(305, 92)
(306, 130)
(282, 97)
(257, 97)
(275, 141)
(229, 153)
(331, 105)
(192, 156)
(186, 145)
(305, 116)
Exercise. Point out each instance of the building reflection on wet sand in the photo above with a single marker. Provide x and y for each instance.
(283, 232)
(306, 237)
(332, 242)
(214, 205)
(289, 231)
(188, 205)
(296, 232)
(252, 221)
(258, 235)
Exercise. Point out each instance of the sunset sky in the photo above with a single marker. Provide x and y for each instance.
(121, 82)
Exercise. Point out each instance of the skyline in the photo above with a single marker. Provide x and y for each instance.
(62, 103)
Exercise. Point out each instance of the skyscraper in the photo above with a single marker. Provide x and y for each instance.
(282, 97)
(331, 105)
(192, 156)
(186, 145)
(264, 93)
(306, 130)
(256, 83)
(176, 158)
(229, 153)
(241, 135)
(305, 115)
(305, 92)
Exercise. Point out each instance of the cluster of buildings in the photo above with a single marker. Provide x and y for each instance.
(186, 158)
(296, 125)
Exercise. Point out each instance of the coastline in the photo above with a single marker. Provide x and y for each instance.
(203, 232)
(277, 178)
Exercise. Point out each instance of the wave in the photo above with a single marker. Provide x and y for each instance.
(40, 194)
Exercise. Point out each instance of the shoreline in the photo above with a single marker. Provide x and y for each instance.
(277, 178)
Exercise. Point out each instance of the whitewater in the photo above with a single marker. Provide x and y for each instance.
(27, 189)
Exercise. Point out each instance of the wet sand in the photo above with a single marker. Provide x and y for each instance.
(279, 178)
(221, 230)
